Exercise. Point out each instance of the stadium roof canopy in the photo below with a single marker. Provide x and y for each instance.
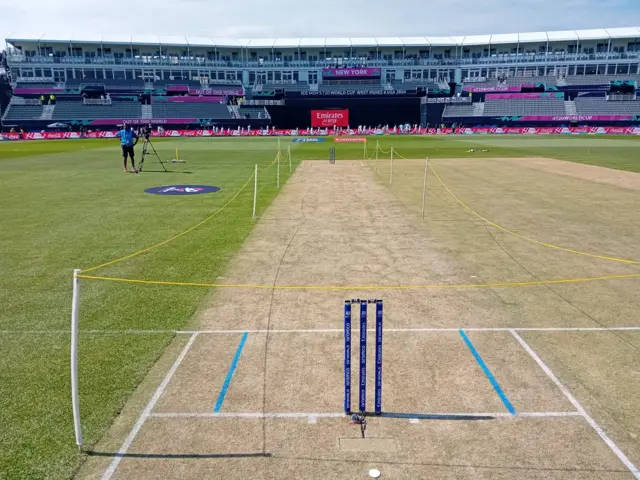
(469, 40)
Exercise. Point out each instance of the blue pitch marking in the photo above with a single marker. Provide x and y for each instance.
(488, 373)
(232, 369)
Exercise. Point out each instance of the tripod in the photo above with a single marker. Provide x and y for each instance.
(148, 149)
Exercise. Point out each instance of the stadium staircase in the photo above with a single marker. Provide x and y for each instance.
(47, 112)
(313, 87)
(478, 109)
(147, 112)
(570, 107)
(234, 110)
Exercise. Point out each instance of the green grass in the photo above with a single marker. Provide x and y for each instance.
(76, 208)
(67, 204)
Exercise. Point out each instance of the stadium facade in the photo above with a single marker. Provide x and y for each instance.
(540, 78)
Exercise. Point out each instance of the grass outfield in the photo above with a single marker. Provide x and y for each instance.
(68, 204)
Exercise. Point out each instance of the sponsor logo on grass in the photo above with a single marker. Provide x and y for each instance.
(182, 189)
(308, 140)
(350, 139)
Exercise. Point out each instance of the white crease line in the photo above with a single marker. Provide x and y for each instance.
(614, 448)
(147, 411)
(314, 416)
(247, 415)
(321, 330)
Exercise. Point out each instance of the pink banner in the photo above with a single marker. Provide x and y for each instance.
(351, 72)
(142, 121)
(496, 88)
(218, 91)
(496, 96)
(344, 136)
(181, 99)
(575, 118)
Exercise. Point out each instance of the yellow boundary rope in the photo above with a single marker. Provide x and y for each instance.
(181, 234)
(524, 237)
(363, 287)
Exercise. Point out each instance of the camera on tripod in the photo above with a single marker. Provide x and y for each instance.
(145, 132)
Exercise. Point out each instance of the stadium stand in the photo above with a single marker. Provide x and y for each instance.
(207, 110)
(598, 79)
(254, 112)
(602, 106)
(109, 84)
(174, 83)
(461, 110)
(74, 110)
(286, 86)
(35, 85)
(420, 86)
(524, 106)
(17, 113)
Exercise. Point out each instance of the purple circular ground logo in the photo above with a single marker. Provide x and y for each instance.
(182, 189)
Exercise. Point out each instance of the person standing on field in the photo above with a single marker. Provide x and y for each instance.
(128, 140)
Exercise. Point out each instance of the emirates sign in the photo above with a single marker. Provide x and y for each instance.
(329, 118)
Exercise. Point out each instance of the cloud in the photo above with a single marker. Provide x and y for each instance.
(328, 18)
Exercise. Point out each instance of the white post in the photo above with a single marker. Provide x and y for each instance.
(289, 150)
(424, 184)
(255, 190)
(75, 400)
(278, 171)
(278, 144)
(391, 168)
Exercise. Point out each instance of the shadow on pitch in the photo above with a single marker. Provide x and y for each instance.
(180, 455)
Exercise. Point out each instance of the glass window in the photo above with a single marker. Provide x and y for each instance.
(623, 69)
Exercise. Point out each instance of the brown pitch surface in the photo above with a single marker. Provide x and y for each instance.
(343, 225)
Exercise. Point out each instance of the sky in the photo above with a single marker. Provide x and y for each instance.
(299, 18)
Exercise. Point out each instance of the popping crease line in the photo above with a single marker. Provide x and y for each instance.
(190, 229)
(363, 287)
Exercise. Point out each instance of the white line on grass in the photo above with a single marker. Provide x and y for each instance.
(614, 448)
(313, 416)
(320, 330)
(147, 411)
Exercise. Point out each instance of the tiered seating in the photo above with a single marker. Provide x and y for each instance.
(547, 80)
(489, 82)
(525, 106)
(336, 87)
(79, 111)
(600, 106)
(291, 87)
(172, 83)
(460, 110)
(255, 112)
(35, 85)
(191, 110)
(15, 113)
(598, 79)
(515, 81)
(110, 84)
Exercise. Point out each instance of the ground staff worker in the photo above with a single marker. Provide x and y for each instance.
(128, 140)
